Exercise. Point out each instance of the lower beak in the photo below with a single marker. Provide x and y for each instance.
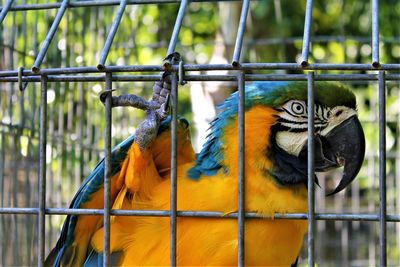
(344, 146)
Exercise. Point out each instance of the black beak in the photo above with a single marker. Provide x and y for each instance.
(344, 146)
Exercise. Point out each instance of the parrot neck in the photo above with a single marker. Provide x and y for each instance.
(265, 164)
(262, 154)
(287, 169)
(220, 157)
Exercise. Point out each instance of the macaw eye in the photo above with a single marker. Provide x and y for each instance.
(297, 108)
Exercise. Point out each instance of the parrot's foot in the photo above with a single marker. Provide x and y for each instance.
(157, 108)
(162, 88)
(160, 99)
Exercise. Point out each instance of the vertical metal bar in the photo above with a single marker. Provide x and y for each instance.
(14, 196)
(241, 169)
(397, 161)
(5, 9)
(107, 171)
(15, 236)
(240, 34)
(177, 27)
(344, 243)
(27, 184)
(64, 128)
(382, 167)
(80, 127)
(50, 187)
(310, 169)
(174, 163)
(42, 170)
(375, 33)
(306, 35)
(371, 171)
(3, 242)
(111, 35)
(49, 36)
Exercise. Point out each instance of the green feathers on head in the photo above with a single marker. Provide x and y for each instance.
(275, 94)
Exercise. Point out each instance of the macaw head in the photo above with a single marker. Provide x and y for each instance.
(276, 133)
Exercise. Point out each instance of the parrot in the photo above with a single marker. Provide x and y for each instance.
(275, 181)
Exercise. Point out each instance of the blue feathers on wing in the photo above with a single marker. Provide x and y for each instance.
(92, 184)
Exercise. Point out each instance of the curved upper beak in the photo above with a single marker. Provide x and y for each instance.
(344, 146)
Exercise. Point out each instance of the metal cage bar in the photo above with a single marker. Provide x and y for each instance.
(71, 74)
(306, 36)
(101, 3)
(240, 33)
(107, 170)
(174, 169)
(310, 170)
(208, 77)
(241, 169)
(5, 10)
(174, 137)
(204, 67)
(382, 168)
(49, 36)
(204, 214)
(111, 35)
(375, 32)
(42, 171)
(177, 27)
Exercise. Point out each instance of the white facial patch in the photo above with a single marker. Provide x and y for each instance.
(291, 142)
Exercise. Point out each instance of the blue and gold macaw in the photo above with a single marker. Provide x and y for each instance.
(275, 182)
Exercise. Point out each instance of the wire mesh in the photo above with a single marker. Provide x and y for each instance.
(37, 144)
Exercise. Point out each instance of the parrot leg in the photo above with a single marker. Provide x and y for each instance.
(157, 108)
(147, 129)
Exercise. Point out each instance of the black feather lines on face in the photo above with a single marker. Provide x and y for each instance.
(287, 170)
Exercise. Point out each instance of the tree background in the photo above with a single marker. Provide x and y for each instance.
(341, 33)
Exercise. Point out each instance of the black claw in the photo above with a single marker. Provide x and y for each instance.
(103, 95)
(171, 59)
(166, 105)
(175, 56)
(165, 74)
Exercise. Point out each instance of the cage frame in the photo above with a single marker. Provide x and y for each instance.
(106, 73)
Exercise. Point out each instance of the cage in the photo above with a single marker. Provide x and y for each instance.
(58, 56)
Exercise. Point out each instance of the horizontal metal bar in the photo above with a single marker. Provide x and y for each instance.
(102, 3)
(207, 77)
(34, 211)
(204, 214)
(205, 67)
